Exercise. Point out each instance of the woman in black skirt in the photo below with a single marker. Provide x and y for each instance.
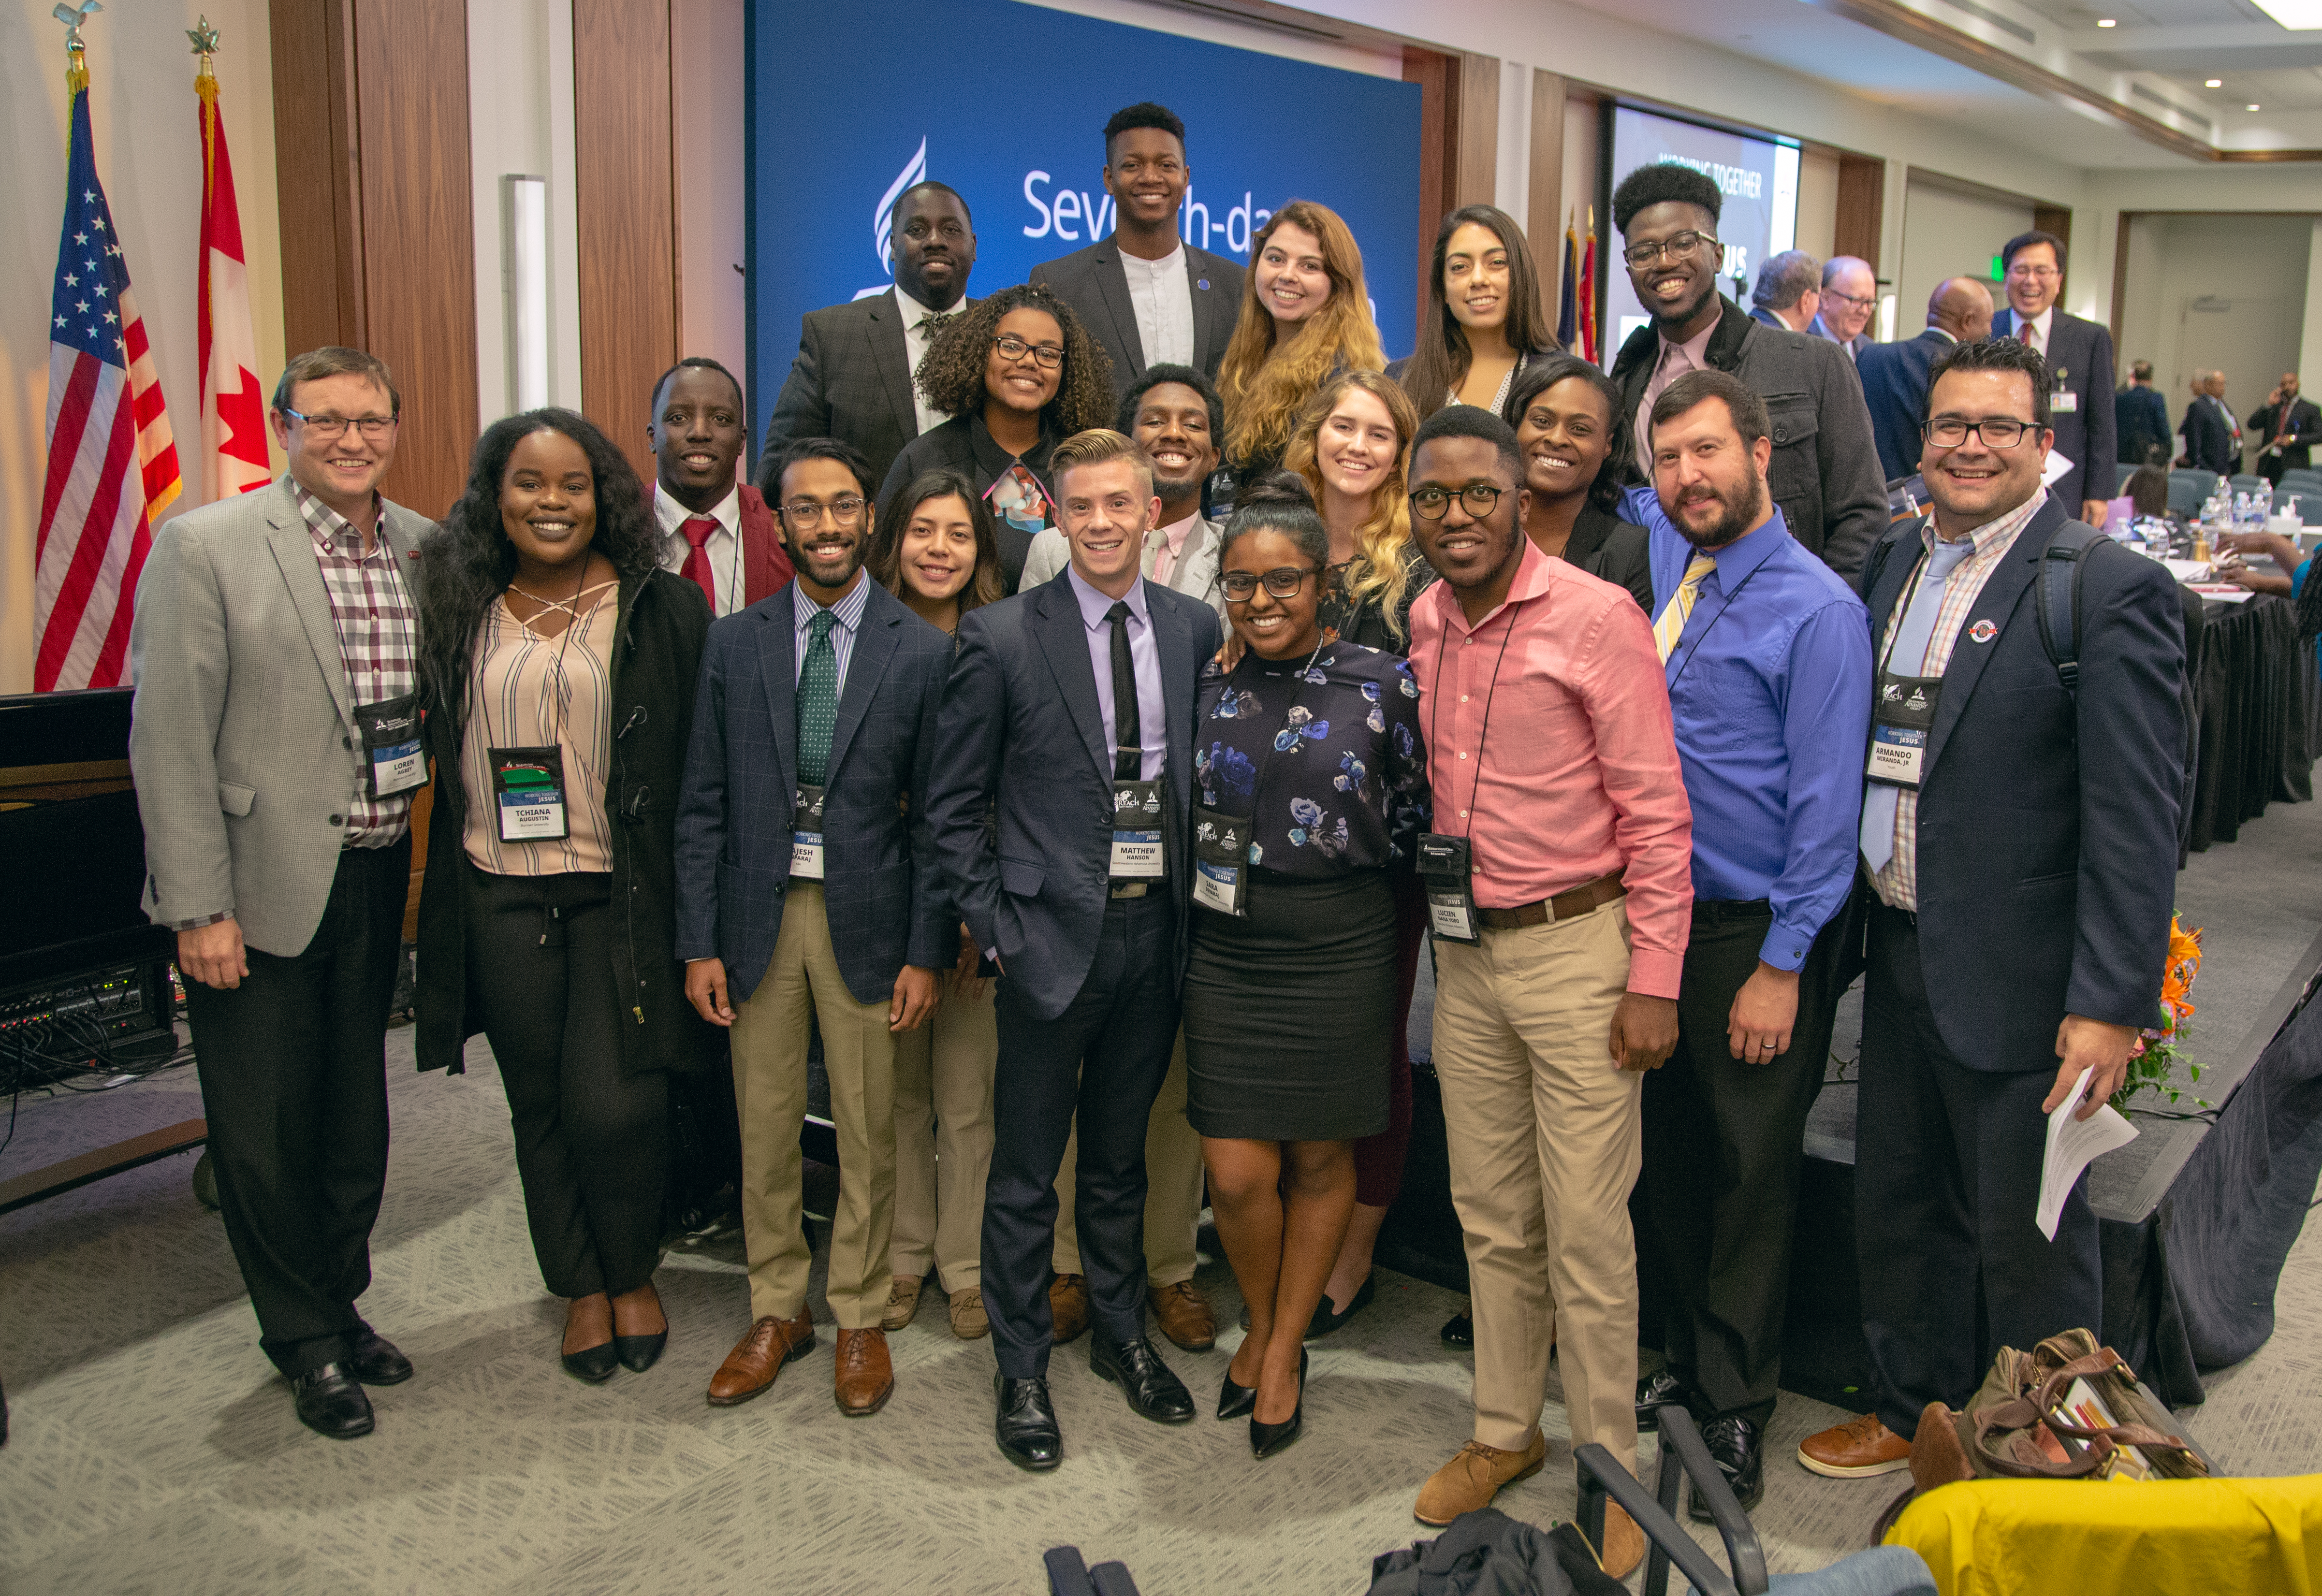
(1309, 786)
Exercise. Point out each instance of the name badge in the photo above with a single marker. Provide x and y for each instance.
(528, 789)
(390, 739)
(1138, 851)
(1901, 718)
(805, 836)
(1446, 870)
(1221, 861)
(2063, 402)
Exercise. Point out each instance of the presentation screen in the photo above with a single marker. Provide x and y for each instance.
(851, 104)
(1758, 177)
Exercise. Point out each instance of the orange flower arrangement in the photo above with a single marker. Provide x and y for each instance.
(2156, 1054)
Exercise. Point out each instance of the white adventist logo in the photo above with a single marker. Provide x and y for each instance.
(882, 215)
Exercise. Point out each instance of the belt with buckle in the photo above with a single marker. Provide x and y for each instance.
(1582, 899)
(1129, 890)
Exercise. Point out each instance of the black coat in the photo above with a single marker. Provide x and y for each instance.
(1605, 545)
(2080, 362)
(2208, 432)
(2304, 425)
(966, 445)
(657, 655)
(1096, 284)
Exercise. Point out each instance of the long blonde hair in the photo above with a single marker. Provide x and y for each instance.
(1265, 388)
(1382, 564)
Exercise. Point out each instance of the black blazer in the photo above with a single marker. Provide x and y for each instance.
(2305, 431)
(2209, 437)
(1096, 284)
(1895, 386)
(852, 381)
(664, 619)
(2047, 835)
(1619, 551)
(1021, 725)
(963, 444)
(2140, 421)
(2080, 362)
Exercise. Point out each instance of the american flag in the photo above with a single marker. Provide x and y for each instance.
(112, 466)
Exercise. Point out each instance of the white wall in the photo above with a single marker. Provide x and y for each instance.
(2217, 290)
(1949, 234)
(712, 240)
(520, 124)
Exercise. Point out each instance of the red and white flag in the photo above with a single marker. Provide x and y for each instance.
(113, 465)
(233, 410)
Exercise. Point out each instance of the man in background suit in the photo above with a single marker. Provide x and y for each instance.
(1149, 298)
(1850, 293)
(2079, 370)
(274, 743)
(2140, 416)
(2009, 950)
(808, 900)
(2290, 427)
(1072, 704)
(852, 379)
(1894, 375)
(1788, 291)
(2212, 435)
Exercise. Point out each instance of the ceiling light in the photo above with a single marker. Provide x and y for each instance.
(2293, 13)
(2105, 21)
(2213, 83)
(2251, 106)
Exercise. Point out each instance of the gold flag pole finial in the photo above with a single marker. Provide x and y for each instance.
(77, 65)
(206, 45)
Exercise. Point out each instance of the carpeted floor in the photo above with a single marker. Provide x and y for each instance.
(153, 1450)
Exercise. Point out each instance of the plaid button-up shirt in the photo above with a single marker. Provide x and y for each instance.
(377, 627)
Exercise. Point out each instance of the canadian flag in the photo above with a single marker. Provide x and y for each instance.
(233, 407)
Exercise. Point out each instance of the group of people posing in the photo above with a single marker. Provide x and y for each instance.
(1097, 833)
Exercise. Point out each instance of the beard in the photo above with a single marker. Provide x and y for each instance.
(1738, 509)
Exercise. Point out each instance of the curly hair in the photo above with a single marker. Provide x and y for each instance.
(1439, 362)
(952, 375)
(1381, 569)
(1620, 468)
(985, 585)
(1659, 183)
(1265, 386)
(468, 561)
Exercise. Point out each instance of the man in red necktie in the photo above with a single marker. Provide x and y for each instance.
(713, 530)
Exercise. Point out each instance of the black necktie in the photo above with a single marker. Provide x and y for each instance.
(1127, 762)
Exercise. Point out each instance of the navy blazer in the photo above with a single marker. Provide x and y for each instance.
(2208, 432)
(885, 901)
(1096, 284)
(2141, 419)
(2047, 832)
(1021, 725)
(2080, 352)
(1895, 386)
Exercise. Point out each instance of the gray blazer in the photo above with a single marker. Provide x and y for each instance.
(241, 736)
(852, 381)
(1195, 574)
(1094, 283)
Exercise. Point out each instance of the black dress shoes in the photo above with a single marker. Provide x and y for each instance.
(1325, 1321)
(1458, 1330)
(1656, 1390)
(1153, 1392)
(1026, 1427)
(331, 1402)
(638, 1353)
(1267, 1439)
(1739, 1449)
(375, 1360)
(594, 1365)
(1235, 1400)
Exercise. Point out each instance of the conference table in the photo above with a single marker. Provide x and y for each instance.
(2255, 686)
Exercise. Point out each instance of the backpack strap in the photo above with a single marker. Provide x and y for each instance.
(2057, 601)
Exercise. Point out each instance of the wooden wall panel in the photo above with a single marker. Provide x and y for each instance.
(1437, 78)
(626, 210)
(317, 166)
(1475, 180)
(1862, 209)
(1544, 205)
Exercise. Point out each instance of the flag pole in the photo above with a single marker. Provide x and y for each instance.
(76, 48)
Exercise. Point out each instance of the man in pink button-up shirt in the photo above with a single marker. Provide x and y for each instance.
(1547, 733)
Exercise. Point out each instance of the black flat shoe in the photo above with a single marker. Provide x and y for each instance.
(331, 1402)
(594, 1365)
(1235, 1400)
(638, 1353)
(1267, 1439)
(1153, 1392)
(1325, 1321)
(1025, 1424)
(1459, 1331)
(375, 1360)
(1659, 1390)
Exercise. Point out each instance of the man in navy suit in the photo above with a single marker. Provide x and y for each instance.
(2141, 417)
(1894, 375)
(2020, 840)
(2212, 435)
(1070, 713)
(808, 897)
(2079, 370)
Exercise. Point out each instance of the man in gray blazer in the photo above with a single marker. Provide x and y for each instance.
(1149, 298)
(275, 744)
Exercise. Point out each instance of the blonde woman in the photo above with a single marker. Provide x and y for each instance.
(1305, 316)
(1350, 446)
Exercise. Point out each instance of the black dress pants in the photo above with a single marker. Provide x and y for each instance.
(1724, 1143)
(1105, 1056)
(1946, 1184)
(293, 1065)
(591, 1142)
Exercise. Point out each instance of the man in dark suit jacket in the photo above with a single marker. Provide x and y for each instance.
(2141, 417)
(1150, 299)
(2288, 426)
(2209, 427)
(2079, 370)
(1894, 375)
(808, 899)
(1072, 708)
(2020, 840)
(852, 379)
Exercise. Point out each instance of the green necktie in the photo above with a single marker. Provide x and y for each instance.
(818, 701)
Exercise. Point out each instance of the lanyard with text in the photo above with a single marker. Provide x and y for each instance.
(1902, 713)
(528, 782)
(1447, 864)
(1221, 841)
(805, 836)
(390, 739)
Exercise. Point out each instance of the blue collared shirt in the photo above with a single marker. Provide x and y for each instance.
(1144, 658)
(847, 612)
(1769, 690)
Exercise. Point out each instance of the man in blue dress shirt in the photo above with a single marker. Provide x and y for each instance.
(1769, 668)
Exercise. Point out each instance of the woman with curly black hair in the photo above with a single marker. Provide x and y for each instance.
(1574, 433)
(557, 670)
(1017, 375)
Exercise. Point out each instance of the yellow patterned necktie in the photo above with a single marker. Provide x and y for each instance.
(1671, 625)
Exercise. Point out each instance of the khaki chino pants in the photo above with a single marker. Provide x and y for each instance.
(803, 986)
(1172, 1188)
(1544, 1135)
(943, 1140)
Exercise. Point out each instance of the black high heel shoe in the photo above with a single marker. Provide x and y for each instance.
(1234, 1400)
(1267, 1439)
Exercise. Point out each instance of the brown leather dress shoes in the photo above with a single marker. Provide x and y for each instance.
(1183, 1315)
(1068, 1307)
(865, 1377)
(751, 1367)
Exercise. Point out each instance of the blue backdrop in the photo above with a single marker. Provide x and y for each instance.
(851, 102)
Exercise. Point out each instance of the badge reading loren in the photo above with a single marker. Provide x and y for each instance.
(1982, 631)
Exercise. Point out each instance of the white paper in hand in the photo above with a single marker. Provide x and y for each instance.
(2072, 1146)
(2053, 469)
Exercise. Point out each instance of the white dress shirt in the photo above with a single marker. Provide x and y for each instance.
(916, 339)
(1165, 306)
(724, 546)
(2035, 331)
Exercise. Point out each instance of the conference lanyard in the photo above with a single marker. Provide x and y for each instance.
(1221, 841)
(528, 789)
(1447, 864)
(1903, 712)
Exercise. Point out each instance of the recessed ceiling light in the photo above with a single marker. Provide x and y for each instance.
(2213, 83)
(2293, 13)
(2251, 106)
(2105, 21)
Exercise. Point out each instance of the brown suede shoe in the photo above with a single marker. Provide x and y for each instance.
(969, 1322)
(1624, 1542)
(865, 1378)
(903, 1303)
(1855, 1450)
(1068, 1305)
(1470, 1479)
(751, 1367)
(1184, 1315)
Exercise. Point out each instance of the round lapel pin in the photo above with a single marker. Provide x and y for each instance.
(1983, 632)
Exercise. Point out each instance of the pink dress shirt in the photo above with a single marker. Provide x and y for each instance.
(1675, 359)
(1172, 540)
(1577, 776)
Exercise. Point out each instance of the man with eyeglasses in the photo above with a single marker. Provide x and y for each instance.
(1850, 293)
(2079, 382)
(2019, 839)
(275, 746)
(854, 377)
(807, 901)
(1557, 881)
(1826, 468)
